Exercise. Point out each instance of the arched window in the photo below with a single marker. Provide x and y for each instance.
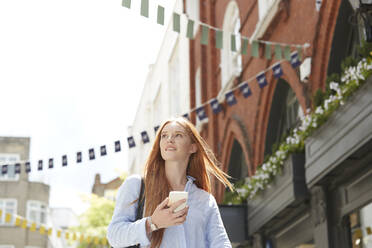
(284, 115)
(231, 62)
(238, 169)
(351, 36)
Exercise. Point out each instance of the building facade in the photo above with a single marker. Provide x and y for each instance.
(165, 93)
(19, 196)
(324, 201)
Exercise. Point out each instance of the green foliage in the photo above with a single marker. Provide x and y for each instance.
(318, 98)
(95, 220)
(348, 62)
(365, 50)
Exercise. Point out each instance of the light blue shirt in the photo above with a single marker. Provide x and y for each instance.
(203, 226)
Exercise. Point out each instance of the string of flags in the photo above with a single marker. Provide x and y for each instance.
(245, 41)
(21, 222)
(214, 104)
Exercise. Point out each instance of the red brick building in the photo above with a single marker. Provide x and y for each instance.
(242, 134)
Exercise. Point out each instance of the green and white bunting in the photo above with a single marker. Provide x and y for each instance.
(145, 8)
(176, 22)
(254, 51)
(190, 29)
(205, 35)
(219, 39)
(160, 18)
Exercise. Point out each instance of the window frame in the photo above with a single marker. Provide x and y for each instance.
(231, 62)
(10, 159)
(3, 209)
(29, 208)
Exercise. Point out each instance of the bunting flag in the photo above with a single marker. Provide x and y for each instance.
(369, 231)
(200, 112)
(254, 51)
(176, 23)
(287, 53)
(64, 160)
(24, 224)
(160, 18)
(81, 238)
(186, 116)
(131, 142)
(233, 43)
(67, 235)
(96, 240)
(216, 106)
(205, 35)
(219, 39)
(145, 137)
(74, 237)
(59, 233)
(4, 169)
(103, 151)
(295, 62)
(40, 165)
(278, 52)
(42, 229)
(190, 30)
(28, 167)
(18, 221)
(92, 156)
(8, 218)
(126, 3)
(33, 227)
(246, 91)
(261, 79)
(268, 51)
(245, 46)
(17, 168)
(277, 69)
(79, 157)
(230, 98)
(145, 8)
(50, 231)
(117, 146)
(156, 128)
(50, 164)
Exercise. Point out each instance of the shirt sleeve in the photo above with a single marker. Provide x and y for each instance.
(123, 229)
(216, 233)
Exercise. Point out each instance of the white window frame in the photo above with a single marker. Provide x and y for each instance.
(14, 211)
(231, 62)
(193, 12)
(10, 159)
(38, 210)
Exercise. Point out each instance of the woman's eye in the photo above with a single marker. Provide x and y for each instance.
(163, 136)
(178, 135)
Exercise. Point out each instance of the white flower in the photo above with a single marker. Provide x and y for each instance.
(334, 86)
(241, 191)
(319, 110)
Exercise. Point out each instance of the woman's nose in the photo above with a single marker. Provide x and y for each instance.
(170, 138)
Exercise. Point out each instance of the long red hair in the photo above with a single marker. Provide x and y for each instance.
(202, 164)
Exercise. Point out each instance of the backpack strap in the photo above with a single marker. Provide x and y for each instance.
(141, 201)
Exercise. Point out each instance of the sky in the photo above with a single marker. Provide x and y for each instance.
(71, 76)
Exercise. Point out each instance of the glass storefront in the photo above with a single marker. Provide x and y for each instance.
(361, 227)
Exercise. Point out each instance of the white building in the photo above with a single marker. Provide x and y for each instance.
(166, 91)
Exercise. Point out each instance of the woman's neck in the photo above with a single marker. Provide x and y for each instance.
(176, 175)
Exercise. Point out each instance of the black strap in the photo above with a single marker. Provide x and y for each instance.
(141, 201)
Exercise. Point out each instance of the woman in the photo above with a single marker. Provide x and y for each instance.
(180, 160)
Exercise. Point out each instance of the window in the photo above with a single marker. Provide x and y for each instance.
(37, 211)
(10, 159)
(238, 168)
(263, 7)
(283, 117)
(231, 62)
(361, 227)
(174, 81)
(8, 206)
(352, 35)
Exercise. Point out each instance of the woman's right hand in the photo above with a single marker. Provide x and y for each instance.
(164, 216)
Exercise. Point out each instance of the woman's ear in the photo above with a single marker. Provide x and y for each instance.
(194, 148)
